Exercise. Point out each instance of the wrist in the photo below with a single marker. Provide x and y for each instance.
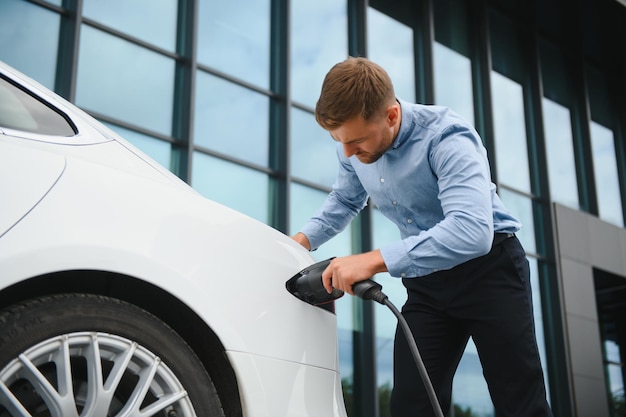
(302, 239)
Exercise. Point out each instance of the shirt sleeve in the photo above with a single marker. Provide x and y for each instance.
(460, 165)
(344, 202)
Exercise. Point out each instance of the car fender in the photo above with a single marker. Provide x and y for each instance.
(225, 252)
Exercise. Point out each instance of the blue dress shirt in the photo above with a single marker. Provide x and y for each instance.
(433, 183)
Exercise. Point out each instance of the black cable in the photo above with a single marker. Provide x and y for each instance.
(418, 359)
(370, 290)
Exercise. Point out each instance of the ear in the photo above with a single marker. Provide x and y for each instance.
(393, 114)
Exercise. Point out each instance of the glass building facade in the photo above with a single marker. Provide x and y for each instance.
(222, 94)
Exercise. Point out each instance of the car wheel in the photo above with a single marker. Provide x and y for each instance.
(87, 355)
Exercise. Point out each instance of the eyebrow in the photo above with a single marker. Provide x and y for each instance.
(351, 140)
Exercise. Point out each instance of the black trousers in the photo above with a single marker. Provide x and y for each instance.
(488, 299)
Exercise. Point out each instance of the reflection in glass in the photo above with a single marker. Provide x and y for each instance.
(29, 37)
(453, 81)
(521, 208)
(560, 154)
(125, 81)
(390, 44)
(469, 388)
(234, 37)
(232, 185)
(138, 18)
(313, 151)
(231, 119)
(510, 132)
(157, 149)
(314, 51)
(606, 174)
(384, 232)
(304, 204)
(538, 315)
(615, 376)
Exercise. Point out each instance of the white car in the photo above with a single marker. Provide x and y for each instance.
(123, 292)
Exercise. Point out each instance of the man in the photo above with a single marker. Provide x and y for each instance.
(465, 272)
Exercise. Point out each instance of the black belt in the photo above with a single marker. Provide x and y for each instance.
(501, 237)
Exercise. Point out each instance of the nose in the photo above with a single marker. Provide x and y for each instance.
(349, 149)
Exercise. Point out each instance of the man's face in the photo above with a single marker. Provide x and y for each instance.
(368, 139)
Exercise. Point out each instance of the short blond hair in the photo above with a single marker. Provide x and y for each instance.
(353, 87)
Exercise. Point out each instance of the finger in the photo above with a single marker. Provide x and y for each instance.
(327, 280)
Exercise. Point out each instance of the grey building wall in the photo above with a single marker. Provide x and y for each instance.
(585, 243)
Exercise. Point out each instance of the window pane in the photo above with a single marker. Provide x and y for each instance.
(231, 119)
(606, 175)
(384, 232)
(521, 208)
(453, 81)
(29, 37)
(469, 388)
(21, 111)
(313, 151)
(390, 44)
(234, 37)
(538, 315)
(150, 21)
(305, 202)
(232, 185)
(560, 154)
(510, 133)
(315, 51)
(615, 376)
(125, 81)
(157, 149)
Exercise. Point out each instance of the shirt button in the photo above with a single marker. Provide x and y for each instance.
(382, 180)
(409, 221)
(395, 203)
(403, 274)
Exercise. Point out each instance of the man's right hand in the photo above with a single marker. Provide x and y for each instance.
(302, 239)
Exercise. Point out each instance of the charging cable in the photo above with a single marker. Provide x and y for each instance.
(370, 290)
(307, 285)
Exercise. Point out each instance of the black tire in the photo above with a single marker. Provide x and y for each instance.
(132, 349)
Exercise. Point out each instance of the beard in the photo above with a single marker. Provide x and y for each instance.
(369, 157)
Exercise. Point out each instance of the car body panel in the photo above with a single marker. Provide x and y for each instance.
(94, 202)
(322, 390)
(30, 174)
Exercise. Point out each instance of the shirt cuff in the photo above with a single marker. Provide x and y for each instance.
(316, 235)
(397, 260)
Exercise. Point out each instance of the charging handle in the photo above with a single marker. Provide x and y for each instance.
(307, 285)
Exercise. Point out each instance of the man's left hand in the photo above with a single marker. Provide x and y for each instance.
(342, 273)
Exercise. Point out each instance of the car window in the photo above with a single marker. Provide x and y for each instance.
(21, 111)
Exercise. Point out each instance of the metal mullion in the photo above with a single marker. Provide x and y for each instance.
(481, 81)
(424, 39)
(235, 160)
(185, 81)
(618, 103)
(280, 104)
(581, 114)
(67, 55)
(235, 80)
(129, 38)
